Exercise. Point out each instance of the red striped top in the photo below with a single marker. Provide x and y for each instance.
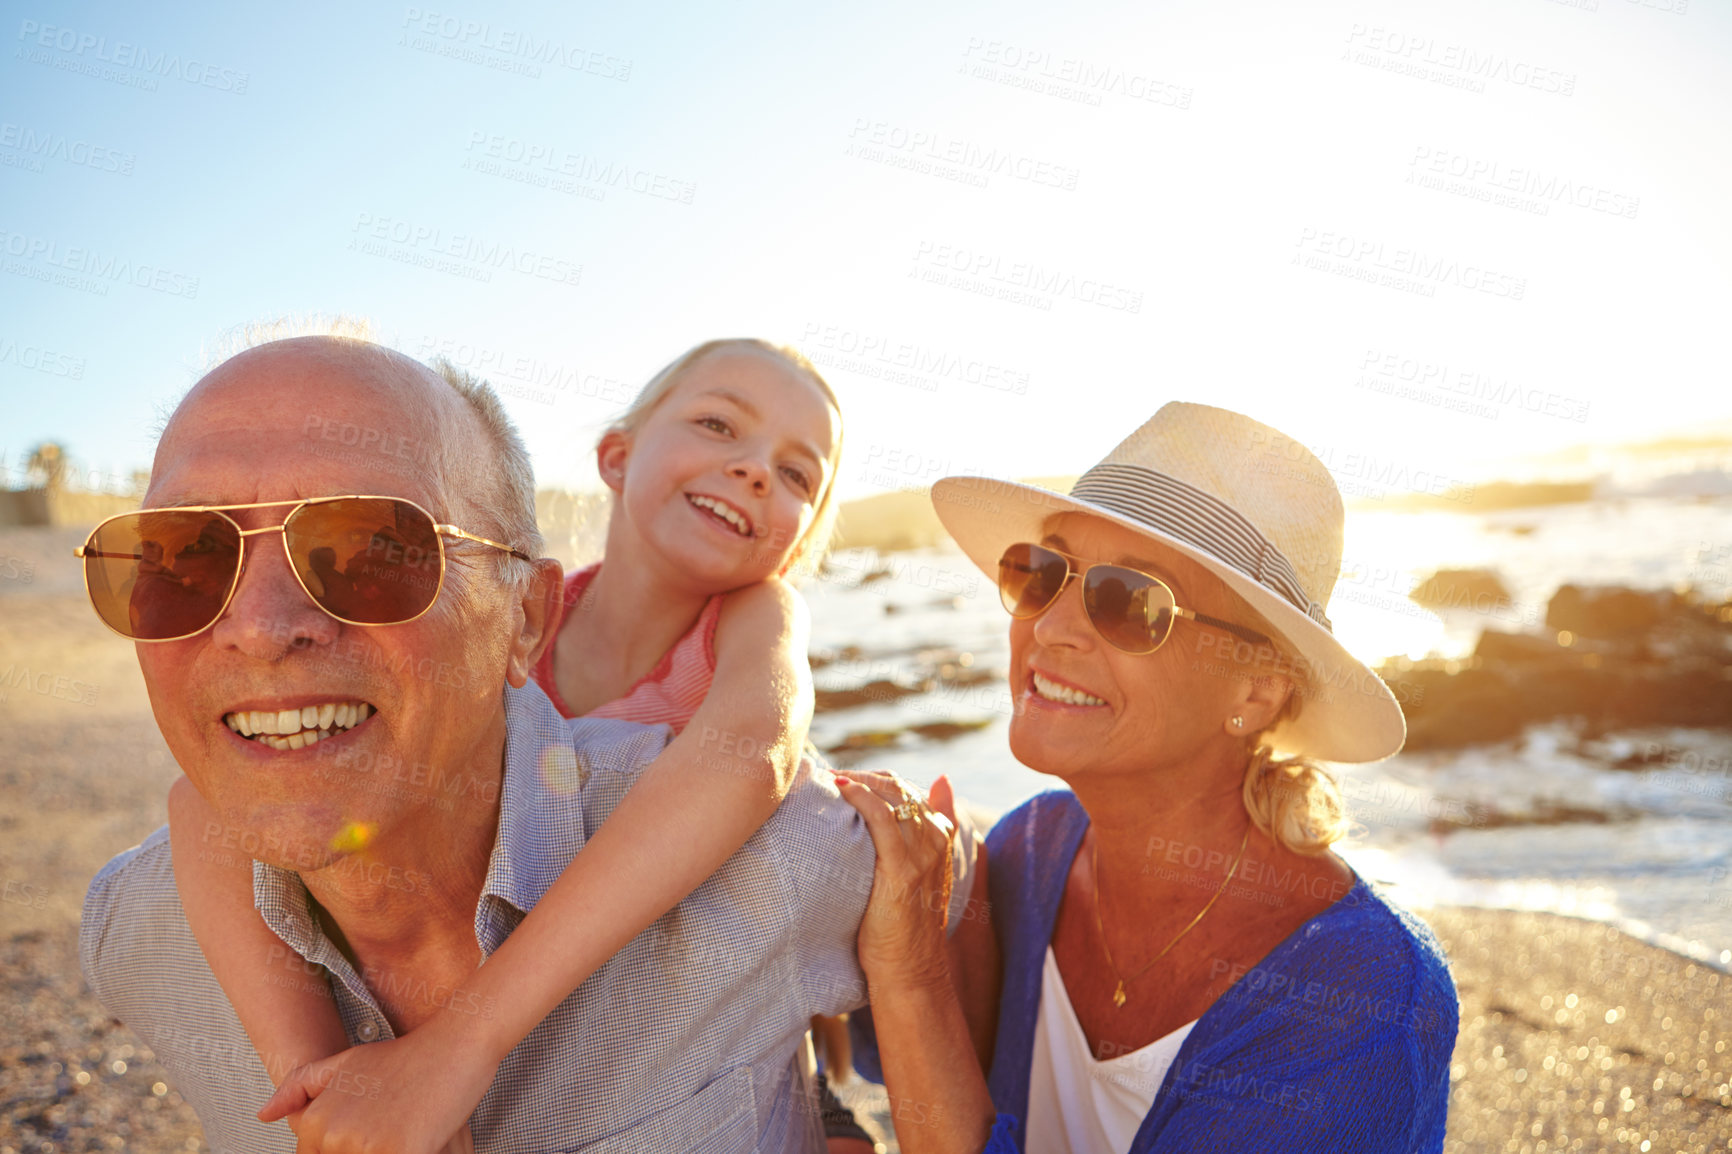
(668, 694)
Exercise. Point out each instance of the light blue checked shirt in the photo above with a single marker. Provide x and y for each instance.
(691, 1038)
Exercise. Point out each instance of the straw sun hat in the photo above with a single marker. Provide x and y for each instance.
(1253, 507)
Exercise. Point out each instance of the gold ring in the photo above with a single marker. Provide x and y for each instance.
(907, 810)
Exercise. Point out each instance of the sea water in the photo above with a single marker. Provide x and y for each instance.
(1545, 822)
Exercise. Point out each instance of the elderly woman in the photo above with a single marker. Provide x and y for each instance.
(1176, 959)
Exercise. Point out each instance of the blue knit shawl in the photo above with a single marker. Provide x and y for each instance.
(1338, 1040)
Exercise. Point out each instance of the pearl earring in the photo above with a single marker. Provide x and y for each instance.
(1238, 723)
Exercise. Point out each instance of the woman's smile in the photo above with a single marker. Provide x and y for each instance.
(1051, 690)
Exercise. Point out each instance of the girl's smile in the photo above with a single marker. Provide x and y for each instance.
(722, 511)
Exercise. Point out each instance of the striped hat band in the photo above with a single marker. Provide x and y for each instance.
(1169, 505)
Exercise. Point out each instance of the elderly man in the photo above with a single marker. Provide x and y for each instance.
(405, 858)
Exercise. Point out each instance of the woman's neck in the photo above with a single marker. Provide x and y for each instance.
(1172, 834)
(1137, 820)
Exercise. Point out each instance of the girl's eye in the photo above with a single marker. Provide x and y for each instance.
(798, 478)
(715, 424)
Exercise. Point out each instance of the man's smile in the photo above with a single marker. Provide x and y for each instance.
(297, 726)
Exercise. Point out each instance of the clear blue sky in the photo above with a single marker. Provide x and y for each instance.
(1054, 217)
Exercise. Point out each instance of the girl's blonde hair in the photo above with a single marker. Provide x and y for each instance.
(808, 552)
(1294, 800)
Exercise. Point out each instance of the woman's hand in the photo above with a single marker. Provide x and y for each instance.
(938, 1096)
(409, 1095)
(902, 933)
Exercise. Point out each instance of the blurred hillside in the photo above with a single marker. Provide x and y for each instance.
(905, 519)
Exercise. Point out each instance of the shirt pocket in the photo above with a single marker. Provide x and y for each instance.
(722, 1118)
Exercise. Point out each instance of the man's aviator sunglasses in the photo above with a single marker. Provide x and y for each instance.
(168, 574)
(1134, 611)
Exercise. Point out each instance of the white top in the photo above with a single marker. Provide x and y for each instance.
(1077, 1105)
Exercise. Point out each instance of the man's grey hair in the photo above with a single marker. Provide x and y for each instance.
(510, 507)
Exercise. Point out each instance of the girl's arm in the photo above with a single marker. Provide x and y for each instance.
(283, 1002)
(691, 810)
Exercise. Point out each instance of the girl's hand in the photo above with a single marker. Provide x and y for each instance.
(409, 1095)
(902, 942)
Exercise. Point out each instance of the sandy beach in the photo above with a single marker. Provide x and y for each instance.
(1574, 1036)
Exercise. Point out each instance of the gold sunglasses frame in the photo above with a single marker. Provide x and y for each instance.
(440, 532)
(1072, 572)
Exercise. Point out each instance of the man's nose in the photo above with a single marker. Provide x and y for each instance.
(270, 613)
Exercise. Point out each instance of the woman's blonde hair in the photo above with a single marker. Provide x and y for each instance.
(1294, 800)
(808, 552)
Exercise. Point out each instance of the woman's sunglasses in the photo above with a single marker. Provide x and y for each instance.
(168, 574)
(1132, 610)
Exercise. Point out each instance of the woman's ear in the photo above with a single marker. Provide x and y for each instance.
(1261, 704)
(610, 458)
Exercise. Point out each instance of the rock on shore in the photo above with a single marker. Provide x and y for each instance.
(1616, 658)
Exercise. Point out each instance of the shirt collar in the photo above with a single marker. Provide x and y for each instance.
(541, 827)
(541, 818)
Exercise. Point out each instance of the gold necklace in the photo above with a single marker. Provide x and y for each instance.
(1094, 862)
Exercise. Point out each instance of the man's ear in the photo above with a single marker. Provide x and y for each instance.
(542, 605)
(610, 458)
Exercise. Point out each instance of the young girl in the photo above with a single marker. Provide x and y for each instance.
(723, 476)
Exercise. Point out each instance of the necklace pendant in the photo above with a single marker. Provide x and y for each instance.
(1119, 994)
